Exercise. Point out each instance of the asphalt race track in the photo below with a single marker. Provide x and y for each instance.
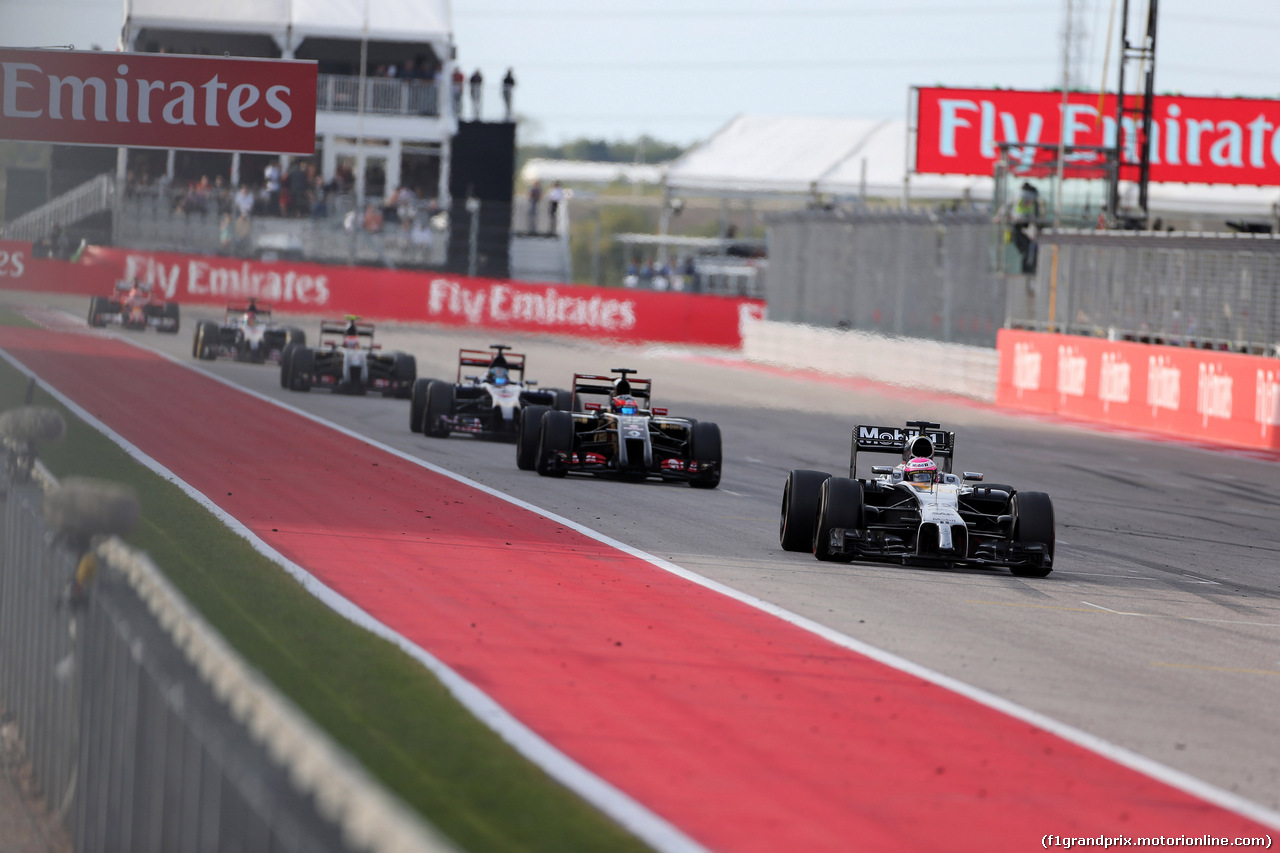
(1156, 632)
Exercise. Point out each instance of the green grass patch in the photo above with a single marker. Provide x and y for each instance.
(381, 705)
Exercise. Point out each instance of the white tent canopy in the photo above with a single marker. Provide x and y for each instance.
(414, 21)
(846, 157)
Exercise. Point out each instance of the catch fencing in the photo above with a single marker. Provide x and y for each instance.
(901, 272)
(145, 731)
(1212, 291)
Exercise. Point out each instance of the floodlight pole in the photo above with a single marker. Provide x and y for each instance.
(1062, 129)
(1145, 54)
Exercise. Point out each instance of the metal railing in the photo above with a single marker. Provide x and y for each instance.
(340, 93)
(91, 197)
(147, 731)
(1215, 291)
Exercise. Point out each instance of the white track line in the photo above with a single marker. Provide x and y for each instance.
(538, 751)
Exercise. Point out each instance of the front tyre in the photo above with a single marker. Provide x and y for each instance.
(418, 403)
(439, 407)
(704, 448)
(839, 508)
(800, 498)
(527, 437)
(1033, 524)
(555, 438)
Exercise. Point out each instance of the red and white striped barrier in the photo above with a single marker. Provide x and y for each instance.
(1203, 395)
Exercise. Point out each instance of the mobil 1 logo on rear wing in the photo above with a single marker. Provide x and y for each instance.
(886, 439)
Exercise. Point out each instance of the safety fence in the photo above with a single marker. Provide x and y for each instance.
(1211, 291)
(145, 731)
(902, 272)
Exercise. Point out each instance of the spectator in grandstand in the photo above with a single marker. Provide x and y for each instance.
(535, 196)
(455, 87)
(243, 231)
(319, 195)
(372, 218)
(477, 91)
(226, 235)
(554, 197)
(271, 176)
(244, 201)
(298, 185)
(508, 88)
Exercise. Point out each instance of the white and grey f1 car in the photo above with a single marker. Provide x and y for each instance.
(347, 361)
(490, 405)
(916, 512)
(246, 333)
(618, 434)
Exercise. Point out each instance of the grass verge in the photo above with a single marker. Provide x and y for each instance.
(377, 702)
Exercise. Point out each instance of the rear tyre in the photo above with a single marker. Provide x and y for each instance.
(1033, 524)
(800, 498)
(564, 400)
(97, 307)
(439, 406)
(170, 312)
(418, 403)
(839, 508)
(405, 370)
(704, 448)
(527, 437)
(286, 363)
(301, 368)
(294, 335)
(555, 437)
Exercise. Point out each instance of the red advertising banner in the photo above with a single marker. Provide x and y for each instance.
(155, 100)
(1193, 140)
(594, 312)
(1204, 395)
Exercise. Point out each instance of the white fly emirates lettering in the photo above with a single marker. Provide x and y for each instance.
(1266, 407)
(1164, 384)
(1026, 368)
(210, 278)
(158, 100)
(505, 304)
(1072, 370)
(1213, 393)
(1113, 380)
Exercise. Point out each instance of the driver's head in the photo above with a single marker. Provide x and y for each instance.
(251, 318)
(920, 472)
(351, 341)
(498, 375)
(625, 404)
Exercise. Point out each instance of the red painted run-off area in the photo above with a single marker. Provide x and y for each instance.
(600, 313)
(746, 732)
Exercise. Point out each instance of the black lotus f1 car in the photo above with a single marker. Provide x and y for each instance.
(918, 511)
(490, 405)
(347, 361)
(614, 431)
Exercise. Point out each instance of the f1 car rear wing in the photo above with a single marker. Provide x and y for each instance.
(514, 361)
(339, 329)
(917, 438)
(608, 386)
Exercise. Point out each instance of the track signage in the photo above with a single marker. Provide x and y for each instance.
(151, 100)
(1193, 140)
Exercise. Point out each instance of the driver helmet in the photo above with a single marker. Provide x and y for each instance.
(498, 375)
(920, 472)
(142, 287)
(625, 404)
(251, 318)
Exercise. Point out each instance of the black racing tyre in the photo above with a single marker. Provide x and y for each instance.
(404, 369)
(418, 403)
(564, 399)
(800, 498)
(170, 312)
(97, 307)
(527, 437)
(555, 436)
(704, 448)
(207, 333)
(286, 363)
(195, 338)
(1033, 523)
(294, 335)
(301, 368)
(839, 507)
(439, 405)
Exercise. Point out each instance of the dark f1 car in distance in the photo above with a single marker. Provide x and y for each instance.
(347, 361)
(618, 434)
(245, 334)
(916, 512)
(490, 405)
(134, 305)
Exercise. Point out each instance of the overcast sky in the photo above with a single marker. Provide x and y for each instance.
(680, 69)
